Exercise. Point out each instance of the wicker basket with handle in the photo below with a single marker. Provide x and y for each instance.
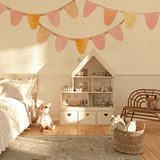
(129, 142)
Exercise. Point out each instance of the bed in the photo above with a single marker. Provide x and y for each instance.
(18, 93)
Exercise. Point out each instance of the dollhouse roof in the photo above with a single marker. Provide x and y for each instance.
(92, 54)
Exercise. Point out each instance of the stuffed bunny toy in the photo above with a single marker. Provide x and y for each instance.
(44, 120)
(131, 126)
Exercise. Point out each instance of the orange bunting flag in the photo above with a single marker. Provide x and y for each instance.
(54, 18)
(72, 9)
(15, 17)
(116, 32)
(81, 45)
(33, 20)
(2, 8)
(60, 43)
(151, 19)
(109, 16)
(43, 34)
(130, 19)
(89, 7)
(99, 41)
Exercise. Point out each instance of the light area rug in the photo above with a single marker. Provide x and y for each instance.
(50, 147)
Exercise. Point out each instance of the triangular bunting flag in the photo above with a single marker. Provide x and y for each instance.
(116, 32)
(99, 41)
(15, 17)
(81, 45)
(2, 8)
(130, 19)
(33, 20)
(109, 15)
(54, 18)
(60, 43)
(72, 9)
(151, 19)
(43, 34)
(89, 7)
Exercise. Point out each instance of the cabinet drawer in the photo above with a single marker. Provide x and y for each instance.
(86, 117)
(104, 117)
(68, 117)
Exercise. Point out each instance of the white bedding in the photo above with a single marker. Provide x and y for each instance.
(14, 118)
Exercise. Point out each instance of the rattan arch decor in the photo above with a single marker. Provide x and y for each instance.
(135, 107)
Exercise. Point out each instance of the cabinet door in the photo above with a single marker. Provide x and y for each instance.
(68, 117)
(86, 117)
(104, 117)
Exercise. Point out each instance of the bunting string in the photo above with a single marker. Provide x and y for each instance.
(33, 19)
(129, 18)
(81, 43)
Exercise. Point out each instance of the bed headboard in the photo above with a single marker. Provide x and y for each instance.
(21, 76)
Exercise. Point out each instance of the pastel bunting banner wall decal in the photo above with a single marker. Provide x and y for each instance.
(60, 43)
(89, 7)
(72, 9)
(99, 41)
(43, 34)
(33, 20)
(81, 45)
(109, 16)
(2, 8)
(116, 32)
(15, 17)
(151, 19)
(54, 18)
(130, 19)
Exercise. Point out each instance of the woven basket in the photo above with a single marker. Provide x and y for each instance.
(129, 142)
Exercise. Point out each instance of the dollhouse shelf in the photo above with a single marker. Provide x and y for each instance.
(94, 104)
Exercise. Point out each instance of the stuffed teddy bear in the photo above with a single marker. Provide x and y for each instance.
(151, 102)
(44, 120)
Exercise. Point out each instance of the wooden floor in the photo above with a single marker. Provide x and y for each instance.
(151, 135)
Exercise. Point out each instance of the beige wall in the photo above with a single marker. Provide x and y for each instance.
(20, 52)
(139, 53)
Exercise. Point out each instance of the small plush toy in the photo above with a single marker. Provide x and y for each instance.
(151, 102)
(44, 120)
(131, 126)
(117, 122)
(158, 102)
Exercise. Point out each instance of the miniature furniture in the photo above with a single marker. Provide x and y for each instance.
(89, 101)
(136, 107)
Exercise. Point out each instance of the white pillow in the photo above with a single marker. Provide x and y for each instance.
(18, 89)
(2, 84)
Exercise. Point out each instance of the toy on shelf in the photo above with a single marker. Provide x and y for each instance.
(66, 89)
(44, 120)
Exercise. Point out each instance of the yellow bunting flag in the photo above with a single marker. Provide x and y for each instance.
(130, 19)
(109, 15)
(81, 45)
(33, 20)
(43, 34)
(72, 9)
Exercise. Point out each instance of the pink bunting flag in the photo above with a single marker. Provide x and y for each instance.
(60, 43)
(15, 17)
(99, 41)
(151, 19)
(89, 7)
(43, 34)
(54, 18)
(2, 8)
(116, 32)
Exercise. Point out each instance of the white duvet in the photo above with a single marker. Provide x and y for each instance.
(14, 118)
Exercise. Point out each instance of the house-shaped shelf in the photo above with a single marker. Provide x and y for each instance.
(93, 65)
(93, 73)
